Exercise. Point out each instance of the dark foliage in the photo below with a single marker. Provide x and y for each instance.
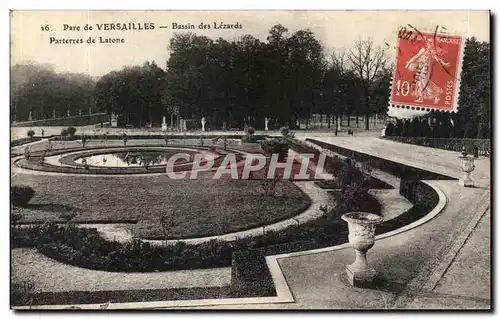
(71, 131)
(275, 146)
(21, 195)
(450, 144)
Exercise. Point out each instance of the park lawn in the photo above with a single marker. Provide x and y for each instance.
(204, 207)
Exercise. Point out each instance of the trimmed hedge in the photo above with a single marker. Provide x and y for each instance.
(333, 164)
(422, 196)
(78, 120)
(170, 136)
(24, 140)
(450, 144)
(392, 167)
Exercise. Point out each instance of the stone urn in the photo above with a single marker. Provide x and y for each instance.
(467, 164)
(362, 238)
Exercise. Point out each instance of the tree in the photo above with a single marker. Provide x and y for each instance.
(133, 93)
(368, 63)
(474, 100)
(40, 90)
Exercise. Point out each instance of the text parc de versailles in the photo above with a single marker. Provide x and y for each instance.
(133, 27)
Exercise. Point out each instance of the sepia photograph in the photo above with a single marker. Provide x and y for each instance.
(250, 159)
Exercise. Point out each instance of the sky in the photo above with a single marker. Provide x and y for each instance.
(31, 32)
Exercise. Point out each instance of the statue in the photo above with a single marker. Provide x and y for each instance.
(266, 122)
(114, 121)
(67, 113)
(30, 117)
(54, 113)
(203, 124)
(164, 125)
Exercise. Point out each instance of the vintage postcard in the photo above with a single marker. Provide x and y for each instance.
(250, 160)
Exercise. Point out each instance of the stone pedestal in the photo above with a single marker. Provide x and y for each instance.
(468, 166)
(361, 276)
(362, 238)
(114, 123)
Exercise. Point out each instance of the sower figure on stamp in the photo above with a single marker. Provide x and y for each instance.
(421, 64)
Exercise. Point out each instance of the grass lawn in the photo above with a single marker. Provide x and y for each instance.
(204, 206)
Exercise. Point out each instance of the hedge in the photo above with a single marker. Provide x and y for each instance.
(24, 140)
(450, 144)
(421, 195)
(67, 121)
(397, 169)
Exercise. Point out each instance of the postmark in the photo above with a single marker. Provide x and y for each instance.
(427, 70)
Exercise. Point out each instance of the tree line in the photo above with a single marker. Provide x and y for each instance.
(230, 83)
(40, 90)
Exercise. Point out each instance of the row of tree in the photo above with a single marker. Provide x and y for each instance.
(39, 90)
(286, 79)
(231, 83)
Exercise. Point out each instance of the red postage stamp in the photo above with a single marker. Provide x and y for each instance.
(427, 71)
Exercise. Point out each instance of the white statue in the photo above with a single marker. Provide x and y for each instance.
(266, 122)
(164, 125)
(67, 113)
(54, 113)
(30, 117)
(114, 121)
(203, 124)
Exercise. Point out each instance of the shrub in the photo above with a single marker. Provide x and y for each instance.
(71, 131)
(249, 139)
(27, 152)
(389, 129)
(31, 133)
(21, 195)
(276, 146)
(285, 131)
(64, 132)
(250, 130)
(355, 185)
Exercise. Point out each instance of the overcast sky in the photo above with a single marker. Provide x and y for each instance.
(335, 29)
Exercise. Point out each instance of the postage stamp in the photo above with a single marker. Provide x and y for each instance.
(427, 71)
(247, 159)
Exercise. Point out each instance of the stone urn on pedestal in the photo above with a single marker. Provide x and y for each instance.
(362, 238)
(467, 163)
